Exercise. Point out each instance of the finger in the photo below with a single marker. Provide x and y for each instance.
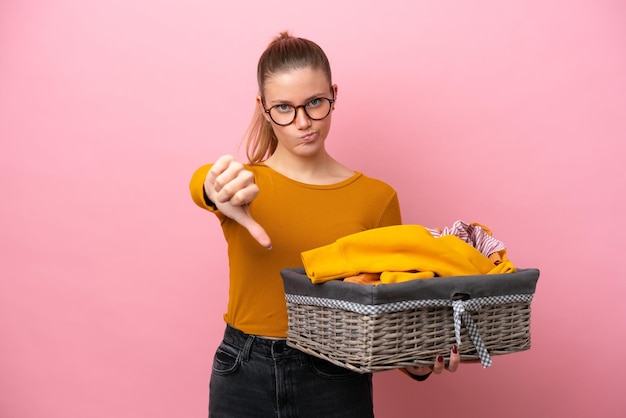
(216, 170)
(239, 191)
(455, 359)
(235, 184)
(439, 365)
(256, 230)
(223, 172)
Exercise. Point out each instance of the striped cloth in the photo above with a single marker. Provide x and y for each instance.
(474, 234)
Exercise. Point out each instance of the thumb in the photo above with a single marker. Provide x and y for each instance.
(258, 233)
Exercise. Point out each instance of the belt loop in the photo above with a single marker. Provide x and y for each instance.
(247, 347)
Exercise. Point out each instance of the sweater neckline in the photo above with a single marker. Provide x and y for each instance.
(337, 185)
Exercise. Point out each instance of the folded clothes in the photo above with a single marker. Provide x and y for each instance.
(406, 252)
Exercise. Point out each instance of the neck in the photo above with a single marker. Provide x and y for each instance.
(318, 169)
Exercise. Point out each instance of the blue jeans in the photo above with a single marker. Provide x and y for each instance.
(259, 377)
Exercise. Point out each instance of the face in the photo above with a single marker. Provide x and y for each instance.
(304, 136)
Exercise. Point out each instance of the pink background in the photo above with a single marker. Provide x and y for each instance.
(113, 283)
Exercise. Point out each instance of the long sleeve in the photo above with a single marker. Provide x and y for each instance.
(196, 187)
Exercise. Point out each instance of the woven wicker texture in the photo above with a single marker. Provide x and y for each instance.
(370, 343)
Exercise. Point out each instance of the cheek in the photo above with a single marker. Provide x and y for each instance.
(282, 132)
(324, 128)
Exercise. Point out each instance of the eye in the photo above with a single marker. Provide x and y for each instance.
(283, 108)
(315, 102)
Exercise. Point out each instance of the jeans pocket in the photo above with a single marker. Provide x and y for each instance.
(328, 370)
(226, 359)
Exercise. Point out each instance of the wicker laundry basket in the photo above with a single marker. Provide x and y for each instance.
(370, 328)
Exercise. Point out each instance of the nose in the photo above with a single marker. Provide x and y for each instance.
(302, 120)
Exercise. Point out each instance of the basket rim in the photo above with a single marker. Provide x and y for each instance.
(523, 281)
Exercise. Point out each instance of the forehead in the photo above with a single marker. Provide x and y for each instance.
(296, 85)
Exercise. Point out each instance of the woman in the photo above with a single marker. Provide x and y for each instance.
(292, 196)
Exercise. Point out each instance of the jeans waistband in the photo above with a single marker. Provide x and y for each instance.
(256, 344)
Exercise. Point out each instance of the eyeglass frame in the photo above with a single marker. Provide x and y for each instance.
(295, 108)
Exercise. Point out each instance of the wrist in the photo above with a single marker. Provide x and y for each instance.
(207, 200)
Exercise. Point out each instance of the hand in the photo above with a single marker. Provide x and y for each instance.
(231, 187)
(439, 366)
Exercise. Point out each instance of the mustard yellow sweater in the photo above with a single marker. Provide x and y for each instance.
(399, 252)
(298, 217)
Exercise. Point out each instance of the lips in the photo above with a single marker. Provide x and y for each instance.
(308, 137)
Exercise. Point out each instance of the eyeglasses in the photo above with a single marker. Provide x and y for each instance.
(284, 114)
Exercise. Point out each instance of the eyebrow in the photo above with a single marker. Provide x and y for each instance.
(279, 101)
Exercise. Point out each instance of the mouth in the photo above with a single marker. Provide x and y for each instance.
(308, 136)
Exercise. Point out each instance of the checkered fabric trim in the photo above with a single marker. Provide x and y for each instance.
(461, 315)
(461, 311)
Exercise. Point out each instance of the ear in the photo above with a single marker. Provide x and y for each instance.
(259, 103)
(335, 90)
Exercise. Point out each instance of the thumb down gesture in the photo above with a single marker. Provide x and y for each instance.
(231, 187)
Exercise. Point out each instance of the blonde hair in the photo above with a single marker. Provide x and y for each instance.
(284, 53)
